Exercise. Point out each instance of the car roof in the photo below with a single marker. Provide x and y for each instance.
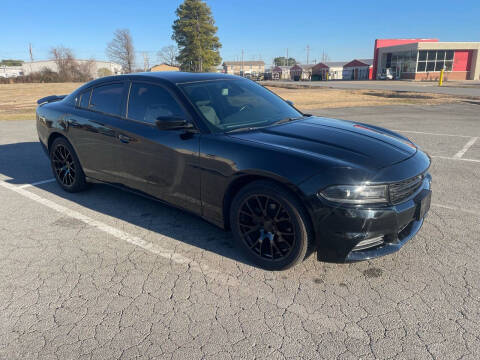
(178, 77)
(173, 77)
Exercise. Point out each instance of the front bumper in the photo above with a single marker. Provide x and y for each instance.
(349, 233)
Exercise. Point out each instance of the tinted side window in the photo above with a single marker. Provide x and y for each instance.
(84, 99)
(148, 102)
(107, 99)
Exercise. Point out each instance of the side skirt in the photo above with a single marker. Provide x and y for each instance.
(150, 197)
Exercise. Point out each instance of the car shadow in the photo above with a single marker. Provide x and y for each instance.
(26, 163)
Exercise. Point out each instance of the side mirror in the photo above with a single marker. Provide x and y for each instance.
(172, 123)
(289, 102)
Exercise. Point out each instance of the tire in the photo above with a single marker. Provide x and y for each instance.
(66, 167)
(270, 225)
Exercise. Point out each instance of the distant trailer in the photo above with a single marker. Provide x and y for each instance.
(358, 69)
(281, 73)
(332, 69)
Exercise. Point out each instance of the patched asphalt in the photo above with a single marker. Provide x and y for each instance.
(105, 274)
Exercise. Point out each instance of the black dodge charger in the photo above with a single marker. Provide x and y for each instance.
(234, 153)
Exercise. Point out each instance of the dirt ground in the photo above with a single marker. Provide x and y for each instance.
(18, 101)
(321, 98)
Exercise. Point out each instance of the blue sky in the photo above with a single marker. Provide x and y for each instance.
(263, 28)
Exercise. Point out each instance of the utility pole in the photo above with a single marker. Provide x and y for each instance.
(242, 63)
(30, 51)
(286, 60)
(308, 53)
(146, 61)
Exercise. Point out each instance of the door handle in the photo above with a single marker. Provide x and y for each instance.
(124, 138)
(72, 122)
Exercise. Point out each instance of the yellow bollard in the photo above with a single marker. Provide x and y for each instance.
(440, 81)
(326, 76)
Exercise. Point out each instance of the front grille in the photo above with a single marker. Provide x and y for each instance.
(404, 189)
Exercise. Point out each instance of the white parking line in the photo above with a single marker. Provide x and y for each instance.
(209, 273)
(119, 234)
(455, 158)
(467, 146)
(37, 183)
(429, 133)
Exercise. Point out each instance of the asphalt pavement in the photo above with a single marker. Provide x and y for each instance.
(105, 274)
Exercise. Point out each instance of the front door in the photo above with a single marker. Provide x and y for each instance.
(162, 163)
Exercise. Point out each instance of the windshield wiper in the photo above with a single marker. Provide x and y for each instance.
(281, 121)
(244, 128)
(287, 119)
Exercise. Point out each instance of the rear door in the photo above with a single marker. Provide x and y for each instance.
(162, 163)
(93, 128)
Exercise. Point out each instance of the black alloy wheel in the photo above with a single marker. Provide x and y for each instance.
(270, 225)
(63, 165)
(66, 167)
(266, 227)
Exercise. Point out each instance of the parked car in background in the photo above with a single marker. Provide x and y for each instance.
(386, 75)
(234, 153)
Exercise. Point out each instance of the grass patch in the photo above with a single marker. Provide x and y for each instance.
(318, 98)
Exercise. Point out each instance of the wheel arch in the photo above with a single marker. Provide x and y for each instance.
(242, 180)
(55, 135)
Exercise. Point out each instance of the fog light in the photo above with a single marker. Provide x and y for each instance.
(368, 243)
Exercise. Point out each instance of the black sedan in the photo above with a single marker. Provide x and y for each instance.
(234, 153)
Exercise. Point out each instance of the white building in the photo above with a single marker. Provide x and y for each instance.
(244, 67)
(35, 66)
(10, 71)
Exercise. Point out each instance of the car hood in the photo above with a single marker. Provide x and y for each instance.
(355, 143)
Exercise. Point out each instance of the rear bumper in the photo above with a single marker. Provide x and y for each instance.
(348, 234)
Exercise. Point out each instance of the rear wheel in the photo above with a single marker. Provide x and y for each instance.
(66, 167)
(270, 225)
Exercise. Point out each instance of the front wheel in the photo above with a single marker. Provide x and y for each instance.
(66, 166)
(270, 225)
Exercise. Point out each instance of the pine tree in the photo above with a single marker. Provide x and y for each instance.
(194, 31)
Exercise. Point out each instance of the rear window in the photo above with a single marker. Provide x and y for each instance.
(107, 99)
(84, 99)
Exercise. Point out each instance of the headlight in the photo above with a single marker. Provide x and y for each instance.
(356, 194)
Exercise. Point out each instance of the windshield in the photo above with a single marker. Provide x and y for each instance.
(227, 105)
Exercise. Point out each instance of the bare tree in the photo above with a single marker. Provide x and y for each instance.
(168, 55)
(65, 61)
(85, 70)
(121, 50)
(68, 68)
